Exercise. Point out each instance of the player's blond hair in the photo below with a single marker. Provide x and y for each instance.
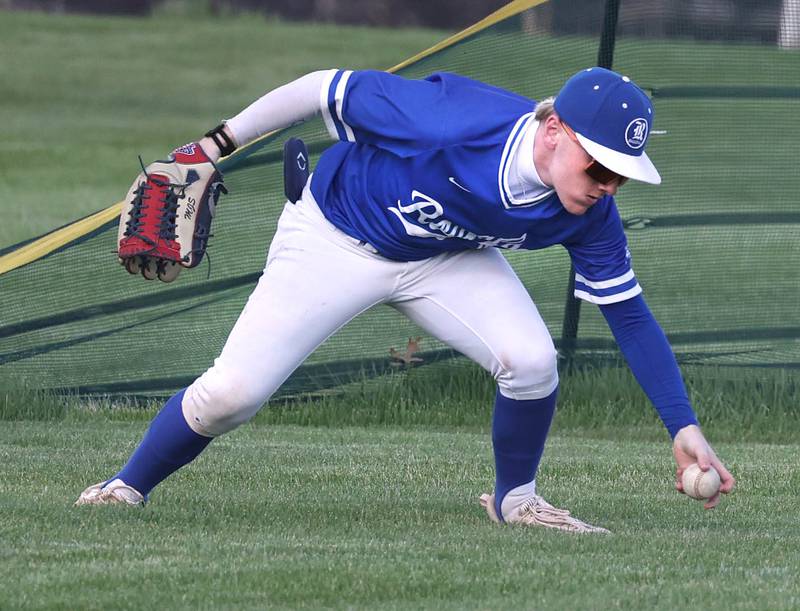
(545, 108)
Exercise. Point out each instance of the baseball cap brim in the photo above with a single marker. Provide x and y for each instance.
(637, 167)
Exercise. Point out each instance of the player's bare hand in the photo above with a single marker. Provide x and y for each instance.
(690, 446)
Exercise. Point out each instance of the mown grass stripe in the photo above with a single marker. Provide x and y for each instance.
(387, 519)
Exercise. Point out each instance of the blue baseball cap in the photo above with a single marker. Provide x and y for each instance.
(612, 118)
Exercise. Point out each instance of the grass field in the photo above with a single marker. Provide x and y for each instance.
(368, 498)
(375, 518)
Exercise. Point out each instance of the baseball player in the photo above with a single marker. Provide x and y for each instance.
(428, 181)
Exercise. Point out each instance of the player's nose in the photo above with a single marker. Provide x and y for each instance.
(610, 187)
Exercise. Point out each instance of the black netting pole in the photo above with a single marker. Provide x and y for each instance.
(572, 308)
(569, 329)
(605, 54)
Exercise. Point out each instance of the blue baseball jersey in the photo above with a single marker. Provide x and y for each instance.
(423, 167)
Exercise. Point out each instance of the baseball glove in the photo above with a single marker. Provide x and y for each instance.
(166, 221)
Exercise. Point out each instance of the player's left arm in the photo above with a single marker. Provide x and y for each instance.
(650, 357)
(408, 116)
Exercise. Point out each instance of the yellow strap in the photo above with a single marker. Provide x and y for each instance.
(50, 242)
(504, 12)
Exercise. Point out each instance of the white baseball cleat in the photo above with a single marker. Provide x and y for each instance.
(535, 511)
(115, 492)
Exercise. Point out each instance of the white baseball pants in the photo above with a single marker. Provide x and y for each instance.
(317, 279)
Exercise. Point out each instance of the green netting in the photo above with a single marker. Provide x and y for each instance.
(715, 247)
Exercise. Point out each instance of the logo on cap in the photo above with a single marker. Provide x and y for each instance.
(636, 133)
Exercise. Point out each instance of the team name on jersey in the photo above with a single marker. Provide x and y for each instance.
(429, 214)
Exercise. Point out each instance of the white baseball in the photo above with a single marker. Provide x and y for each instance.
(698, 484)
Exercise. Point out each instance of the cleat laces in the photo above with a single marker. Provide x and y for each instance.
(538, 511)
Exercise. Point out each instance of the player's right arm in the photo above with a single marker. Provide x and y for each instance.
(652, 361)
(605, 277)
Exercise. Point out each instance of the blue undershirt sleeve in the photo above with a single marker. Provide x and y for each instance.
(650, 357)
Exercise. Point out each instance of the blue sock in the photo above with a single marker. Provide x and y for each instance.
(519, 430)
(168, 445)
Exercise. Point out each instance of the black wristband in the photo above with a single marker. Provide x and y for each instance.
(223, 141)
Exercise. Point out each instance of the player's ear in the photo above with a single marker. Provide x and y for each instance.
(551, 130)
